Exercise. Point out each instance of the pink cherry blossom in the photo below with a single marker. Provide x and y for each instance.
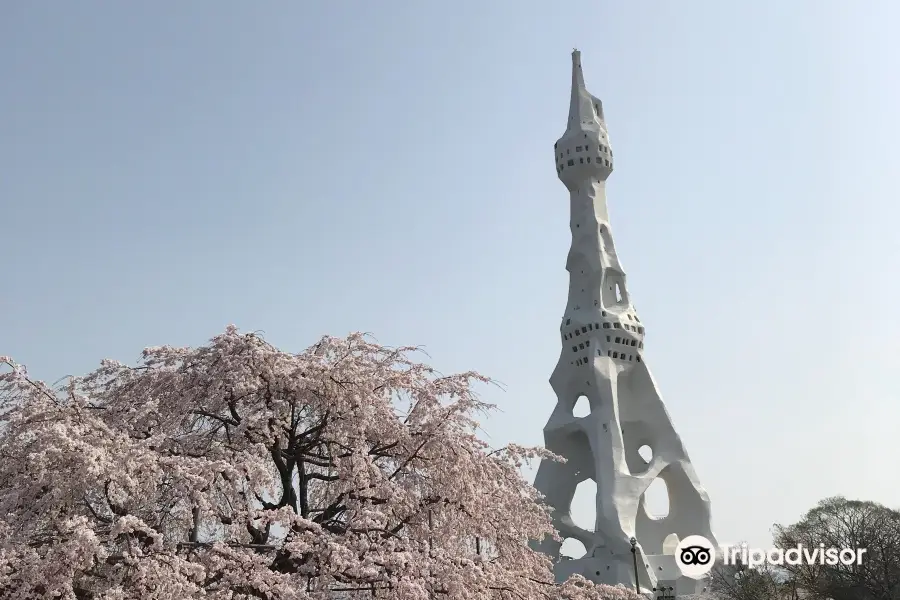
(238, 471)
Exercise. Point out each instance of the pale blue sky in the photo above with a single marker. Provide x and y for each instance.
(303, 168)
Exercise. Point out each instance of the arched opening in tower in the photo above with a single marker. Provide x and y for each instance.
(582, 407)
(584, 505)
(670, 544)
(614, 293)
(656, 499)
(646, 453)
(572, 548)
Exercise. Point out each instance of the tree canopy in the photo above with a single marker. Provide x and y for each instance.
(841, 523)
(236, 470)
(833, 523)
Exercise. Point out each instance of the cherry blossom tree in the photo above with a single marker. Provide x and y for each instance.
(237, 471)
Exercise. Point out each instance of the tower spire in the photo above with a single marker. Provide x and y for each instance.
(583, 107)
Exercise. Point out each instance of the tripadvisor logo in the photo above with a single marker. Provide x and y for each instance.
(799, 555)
(695, 556)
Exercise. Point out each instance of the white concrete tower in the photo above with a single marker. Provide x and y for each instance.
(603, 360)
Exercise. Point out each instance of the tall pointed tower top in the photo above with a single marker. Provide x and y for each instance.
(583, 152)
(577, 75)
(584, 108)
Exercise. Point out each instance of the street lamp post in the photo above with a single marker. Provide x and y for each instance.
(637, 584)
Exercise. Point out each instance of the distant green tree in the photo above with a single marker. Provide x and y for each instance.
(841, 523)
(837, 523)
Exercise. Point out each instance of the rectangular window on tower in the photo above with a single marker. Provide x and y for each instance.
(571, 162)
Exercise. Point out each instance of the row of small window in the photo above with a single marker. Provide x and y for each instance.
(585, 329)
(611, 354)
(620, 355)
(622, 340)
(587, 148)
(592, 326)
(619, 340)
(571, 162)
(633, 328)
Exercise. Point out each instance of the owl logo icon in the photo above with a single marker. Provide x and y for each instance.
(695, 555)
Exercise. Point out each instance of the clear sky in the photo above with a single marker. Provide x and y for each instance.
(302, 168)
